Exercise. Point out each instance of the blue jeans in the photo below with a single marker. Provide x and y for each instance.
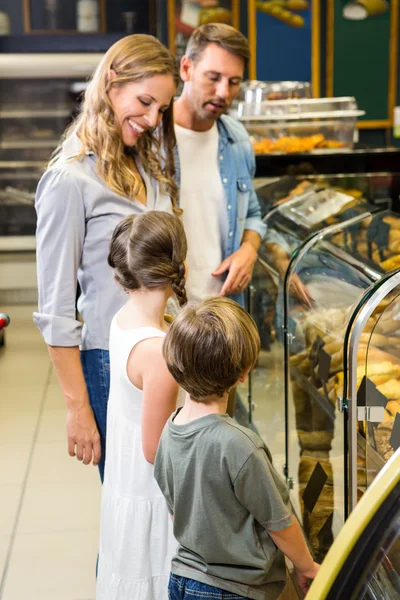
(96, 370)
(181, 588)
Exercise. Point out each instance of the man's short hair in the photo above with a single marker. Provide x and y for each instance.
(229, 38)
(210, 346)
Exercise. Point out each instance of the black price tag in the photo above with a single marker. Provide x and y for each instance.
(325, 536)
(378, 233)
(314, 487)
(324, 365)
(315, 350)
(369, 395)
(353, 231)
(395, 437)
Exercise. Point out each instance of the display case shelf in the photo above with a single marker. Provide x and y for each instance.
(34, 114)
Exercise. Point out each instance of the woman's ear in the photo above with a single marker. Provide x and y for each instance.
(111, 75)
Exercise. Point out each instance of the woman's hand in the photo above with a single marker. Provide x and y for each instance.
(83, 435)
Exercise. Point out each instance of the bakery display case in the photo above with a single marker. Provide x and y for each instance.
(17, 196)
(38, 97)
(300, 125)
(364, 561)
(332, 244)
(39, 94)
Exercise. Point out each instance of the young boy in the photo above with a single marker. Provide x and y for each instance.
(230, 508)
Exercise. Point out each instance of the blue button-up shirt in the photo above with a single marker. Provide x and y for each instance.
(237, 168)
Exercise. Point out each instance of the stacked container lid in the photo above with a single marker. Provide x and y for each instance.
(295, 124)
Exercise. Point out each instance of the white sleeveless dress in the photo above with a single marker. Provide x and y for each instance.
(136, 531)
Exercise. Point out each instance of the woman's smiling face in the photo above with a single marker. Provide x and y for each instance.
(139, 106)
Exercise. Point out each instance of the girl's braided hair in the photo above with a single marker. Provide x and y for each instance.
(148, 251)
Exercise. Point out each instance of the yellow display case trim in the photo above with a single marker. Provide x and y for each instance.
(171, 26)
(393, 57)
(252, 37)
(382, 124)
(330, 40)
(316, 48)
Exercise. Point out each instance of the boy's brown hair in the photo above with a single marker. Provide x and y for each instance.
(229, 38)
(210, 346)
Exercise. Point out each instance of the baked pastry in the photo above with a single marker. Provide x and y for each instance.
(382, 436)
(393, 407)
(392, 263)
(394, 222)
(315, 440)
(390, 389)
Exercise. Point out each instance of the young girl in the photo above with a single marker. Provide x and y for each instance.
(136, 541)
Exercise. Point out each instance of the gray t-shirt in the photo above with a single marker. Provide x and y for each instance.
(220, 486)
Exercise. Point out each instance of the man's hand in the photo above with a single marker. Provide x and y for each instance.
(240, 265)
(302, 577)
(296, 286)
(300, 291)
(83, 435)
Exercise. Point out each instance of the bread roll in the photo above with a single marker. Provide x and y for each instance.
(393, 407)
(382, 437)
(394, 222)
(390, 389)
(315, 440)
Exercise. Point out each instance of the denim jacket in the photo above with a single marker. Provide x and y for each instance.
(237, 168)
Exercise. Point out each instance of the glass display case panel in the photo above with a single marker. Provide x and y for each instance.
(378, 381)
(379, 189)
(32, 95)
(17, 196)
(265, 388)
(33, 115)
(289, 225)
(380, 579)
(322, 289)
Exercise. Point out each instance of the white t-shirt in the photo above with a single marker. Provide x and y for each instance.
(205, 216)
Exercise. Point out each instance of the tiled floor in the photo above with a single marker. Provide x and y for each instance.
(49, 503)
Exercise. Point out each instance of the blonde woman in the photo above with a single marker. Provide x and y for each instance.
(115, 160)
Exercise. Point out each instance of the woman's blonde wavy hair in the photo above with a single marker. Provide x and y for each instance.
(133, 58)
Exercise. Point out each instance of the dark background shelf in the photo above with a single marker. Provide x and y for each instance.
(84, 42)
(20, 42)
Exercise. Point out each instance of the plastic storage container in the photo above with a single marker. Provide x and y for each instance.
(254, 93)
(258, 91)
(301, 125)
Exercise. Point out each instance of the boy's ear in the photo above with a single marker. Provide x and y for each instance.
(244, 376)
